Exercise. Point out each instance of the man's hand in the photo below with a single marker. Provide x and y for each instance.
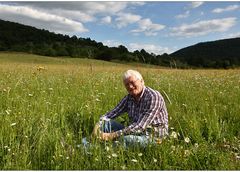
(108, 136)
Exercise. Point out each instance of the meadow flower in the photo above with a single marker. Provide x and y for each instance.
(13, 124)
(154, 160)
(67, 157)
(140, 154)
(173, 135)
(186, 139)
(107, 148)
(196, 145)
(8, 111)
(109, 157)
(237, 157)
(114, 155)
(184, 105)
(173, 147)
(30, 95)
(40, 68)
(134, 160)
(187, 152)
(123, 167)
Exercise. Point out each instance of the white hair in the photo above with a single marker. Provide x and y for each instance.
(135, 73)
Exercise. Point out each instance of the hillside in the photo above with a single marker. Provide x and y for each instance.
(21, 38)
(221, 53)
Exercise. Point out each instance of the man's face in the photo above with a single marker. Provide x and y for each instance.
(133, 85)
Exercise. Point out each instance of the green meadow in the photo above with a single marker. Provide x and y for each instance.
(47, 105)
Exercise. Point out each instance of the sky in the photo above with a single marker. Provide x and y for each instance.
(155, 26)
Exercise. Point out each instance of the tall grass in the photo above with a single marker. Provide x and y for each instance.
(48, 105)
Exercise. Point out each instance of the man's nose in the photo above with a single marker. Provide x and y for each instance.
(130, 86)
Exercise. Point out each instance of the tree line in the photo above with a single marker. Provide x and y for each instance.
(22, 38)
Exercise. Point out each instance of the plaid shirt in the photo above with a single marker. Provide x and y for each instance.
(147, 115)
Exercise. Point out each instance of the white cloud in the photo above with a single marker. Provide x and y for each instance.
(111, 43)
(91, 7)
(233, 35)
(203, 27)
(228, 8)
(74, 15)
(40, 19)
(185, 15)
(104, 7)
(150, 48)
(148, 28)
(196, 4)
(124, 19)
(106, 20)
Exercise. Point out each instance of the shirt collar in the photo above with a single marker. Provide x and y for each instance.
(144, 88)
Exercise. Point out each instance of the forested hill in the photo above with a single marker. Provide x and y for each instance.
(221, 53)
(18, 37)
(22, 38)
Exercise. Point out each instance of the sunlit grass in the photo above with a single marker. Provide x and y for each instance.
(48, 104)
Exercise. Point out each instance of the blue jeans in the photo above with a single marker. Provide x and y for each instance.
(133, 140)
(112, 126)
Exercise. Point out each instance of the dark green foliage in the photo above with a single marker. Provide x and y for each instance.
(21, 38)
(216, 54)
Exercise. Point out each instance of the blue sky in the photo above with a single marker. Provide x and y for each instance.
(157, 26)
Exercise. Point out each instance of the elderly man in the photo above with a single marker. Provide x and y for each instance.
(146, 110)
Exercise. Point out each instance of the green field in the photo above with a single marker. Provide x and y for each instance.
(48, 104)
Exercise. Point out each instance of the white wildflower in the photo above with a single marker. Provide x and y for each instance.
(13, 124)
(196, 145)
(173, 147)
(8, 111)
(114, 155)
(173, 135)
(186, 139)
(237, 157)
(134, 160)
(140, 154)
(67, 157)
(154, 160)
(123, 167)
(30, 95)
(107, 148)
